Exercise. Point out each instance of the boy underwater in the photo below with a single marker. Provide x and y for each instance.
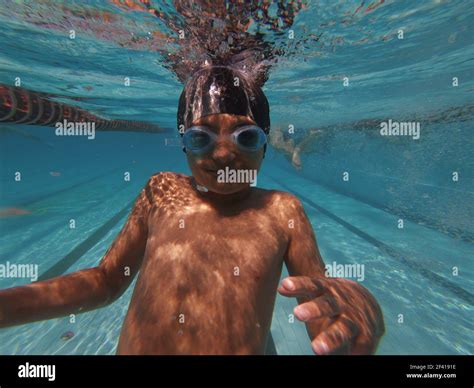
(209, 254)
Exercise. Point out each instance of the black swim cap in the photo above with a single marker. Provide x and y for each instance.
(221, 89)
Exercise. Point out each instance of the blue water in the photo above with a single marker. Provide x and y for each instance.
(409, 270)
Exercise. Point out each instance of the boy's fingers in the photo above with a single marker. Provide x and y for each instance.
(337, 338)
(301, 286)
(323, 306)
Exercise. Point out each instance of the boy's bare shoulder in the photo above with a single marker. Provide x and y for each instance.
(166, 178)
(163, 184)
(285, 203)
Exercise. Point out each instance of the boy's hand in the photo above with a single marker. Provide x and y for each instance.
(342, 317)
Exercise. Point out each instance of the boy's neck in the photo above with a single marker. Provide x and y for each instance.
(222, 199)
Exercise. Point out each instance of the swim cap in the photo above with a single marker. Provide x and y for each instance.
(221, 89)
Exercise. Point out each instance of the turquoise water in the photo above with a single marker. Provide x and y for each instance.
(409, 270)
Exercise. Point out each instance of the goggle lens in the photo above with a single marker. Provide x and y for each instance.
(248, 138)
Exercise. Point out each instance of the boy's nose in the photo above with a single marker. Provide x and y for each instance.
(223, 153)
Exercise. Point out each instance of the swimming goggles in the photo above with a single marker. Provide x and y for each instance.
(200, 139)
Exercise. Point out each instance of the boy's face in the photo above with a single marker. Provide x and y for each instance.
(224, 154)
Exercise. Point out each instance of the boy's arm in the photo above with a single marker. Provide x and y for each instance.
(341, 316)
(86, 289)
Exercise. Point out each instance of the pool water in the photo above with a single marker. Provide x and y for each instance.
(355, 184)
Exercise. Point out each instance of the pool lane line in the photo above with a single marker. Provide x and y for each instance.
(452, 232)
(29, 203)
(79, 250)
(65, 189)
(42, 233)
(270, 349)
(460, 292)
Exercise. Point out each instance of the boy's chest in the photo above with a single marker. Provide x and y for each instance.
(200, 240)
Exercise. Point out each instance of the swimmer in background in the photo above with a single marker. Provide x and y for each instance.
(209, 254)
(283, 142)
